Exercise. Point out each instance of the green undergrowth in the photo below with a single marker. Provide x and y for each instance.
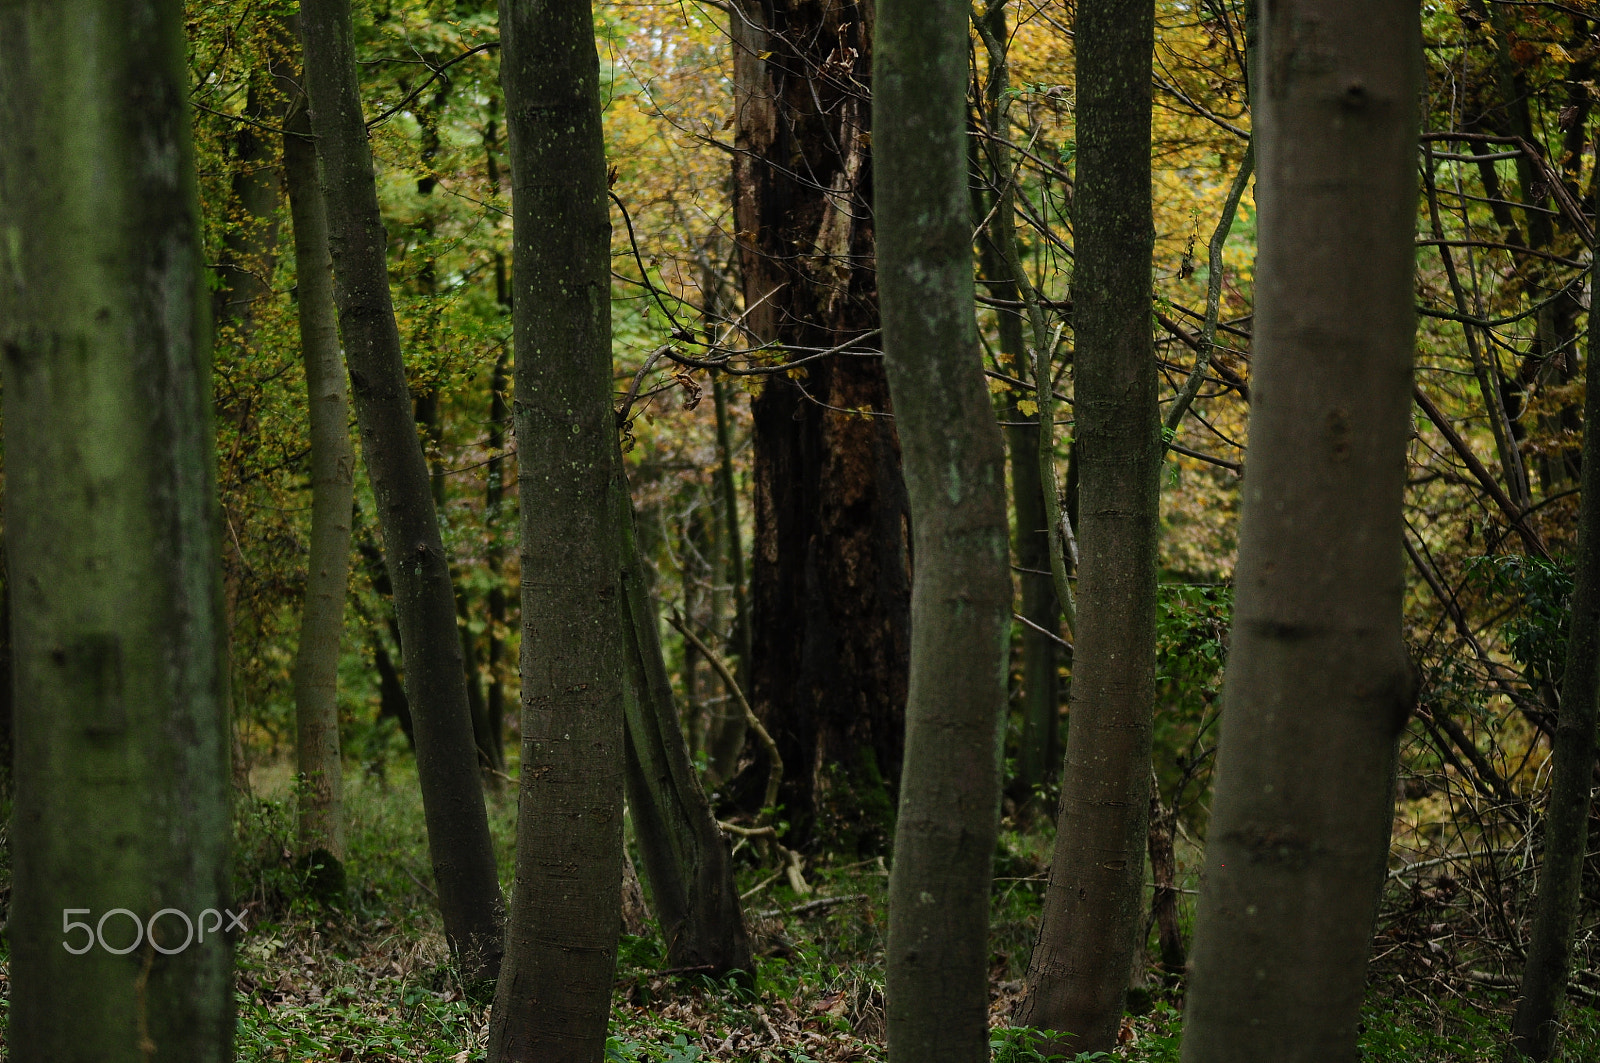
(370, 980)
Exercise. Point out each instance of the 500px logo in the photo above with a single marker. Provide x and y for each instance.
(97, 934)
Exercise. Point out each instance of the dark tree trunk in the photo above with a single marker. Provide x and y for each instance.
(1319, 685)
(414, 556)
(250, 240)
(829, 583)
(1566, 823)
(493, 728)
(1078, 976)
(937, 959)
(113, 535)
(554, 996)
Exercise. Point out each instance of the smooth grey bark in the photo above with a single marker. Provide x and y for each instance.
(954, 461)
(1078, 975)
(554, 996)
(435, 683)
(1319, 685)
(1537, 1022)
(112, 532)
(685, 856)
(320, 802)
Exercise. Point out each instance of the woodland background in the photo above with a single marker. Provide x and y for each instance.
(1504, 238)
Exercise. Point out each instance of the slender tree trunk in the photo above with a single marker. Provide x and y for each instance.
(250, 240)
(316, 669)
(494, 707)
(122, 797)
(728, 730)
(1039, 748)
(1566, 823)
(1078, 976)
(1164, 879)
(419, 571)
(829, 581)
(684, 854)
(938, 957)
(1319, 685)
(555, 993)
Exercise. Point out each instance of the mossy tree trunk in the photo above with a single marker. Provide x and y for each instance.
(684, 854)
(413, 551)
(316, 668)
(937, 959)
(113, 537)
(1078, 975)
(1566, 823)
(1319, 684)
(554, 995)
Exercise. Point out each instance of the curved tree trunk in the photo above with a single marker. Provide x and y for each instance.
(1078, 975)
(112, 532)
(554, 995)
(1566, 824)
(333, 460)
(938, 958)
(436, 690)
(1319, 685)
(829, 582)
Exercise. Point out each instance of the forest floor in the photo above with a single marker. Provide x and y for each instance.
(370, 982)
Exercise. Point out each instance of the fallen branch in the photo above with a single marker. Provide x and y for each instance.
(774, 761)
(812, 906)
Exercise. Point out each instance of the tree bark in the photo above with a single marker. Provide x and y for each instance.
(458, 825)
(1078, 976)
(1319, 685)
(555, 993)
(492, 732)
(1039, 748)
(333, 460)
(250, 240)
(829, 581)
(727, 732)
(1566, 823)
(938, 957)
(685, 856)
(122, 802)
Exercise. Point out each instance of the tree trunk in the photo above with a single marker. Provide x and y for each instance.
(685, 856)
(1078, 976)
(122, 802)
(1039, 749)
(829, 586)
(938, 958)
(555, 993)
(494, 708)
(250, 240)
(1319, 685)
(1566, 823)
(458, 826)
(728, 728)
(316, 669)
